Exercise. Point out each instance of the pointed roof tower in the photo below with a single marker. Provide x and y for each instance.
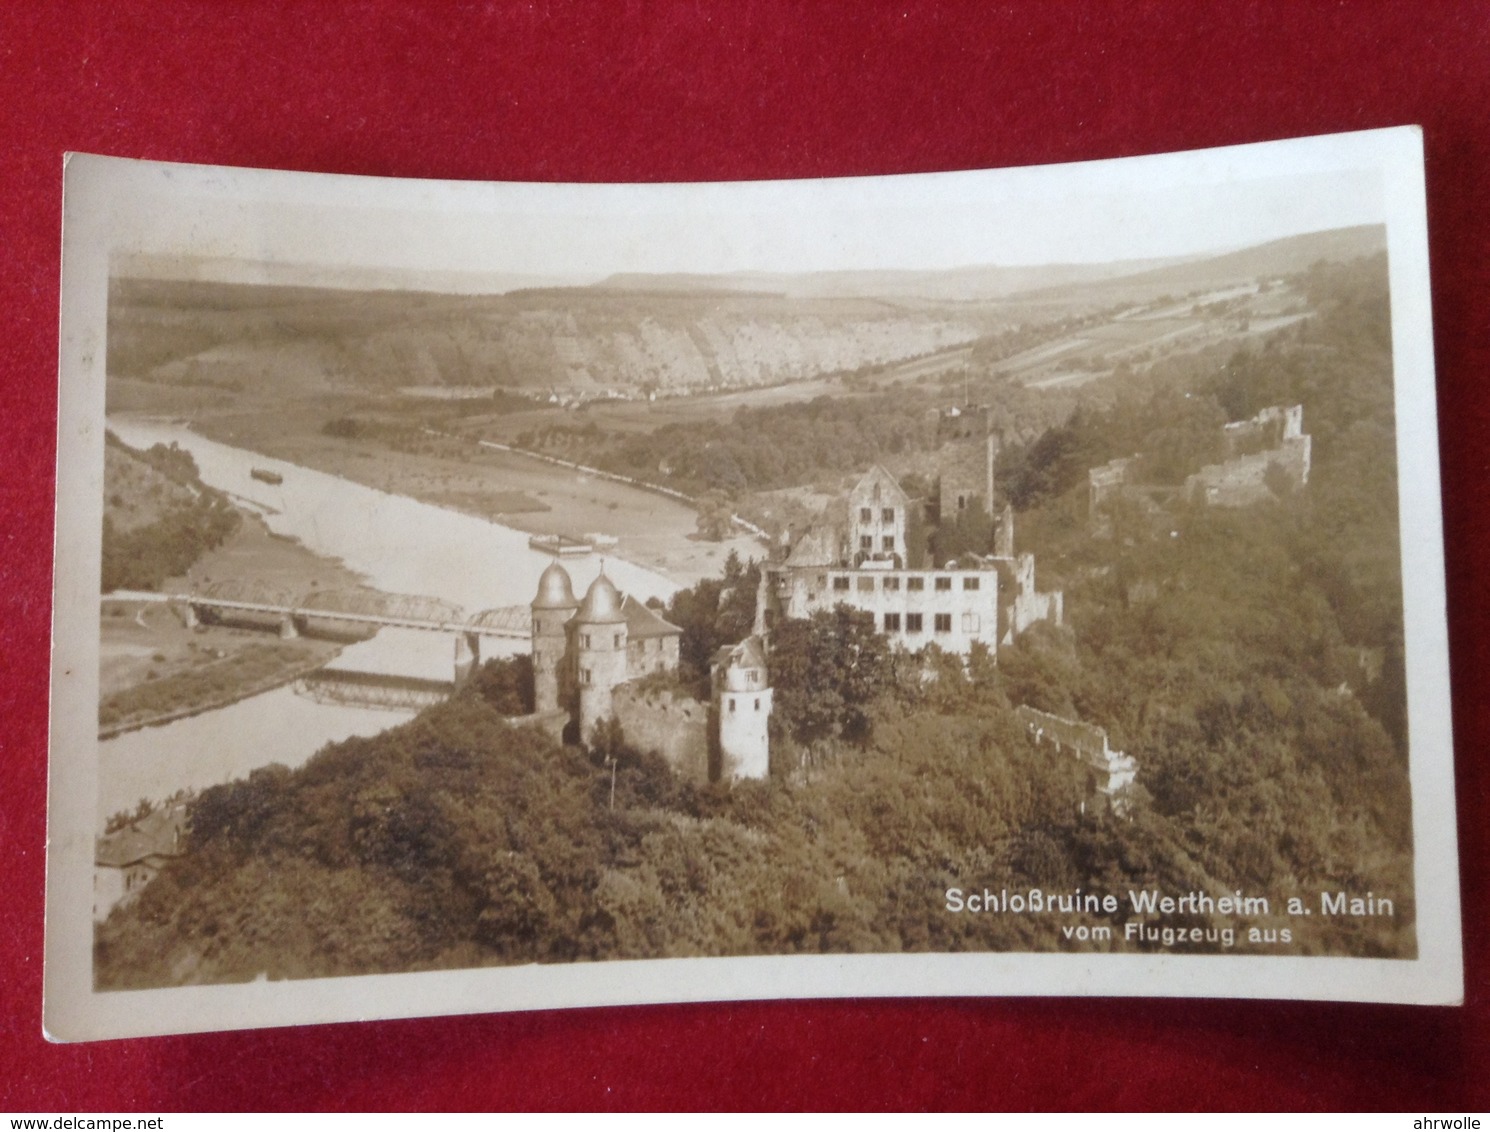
(602, 604)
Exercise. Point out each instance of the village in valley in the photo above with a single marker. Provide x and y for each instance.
(820, 606)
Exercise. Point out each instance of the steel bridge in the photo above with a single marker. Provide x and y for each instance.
(264, 606)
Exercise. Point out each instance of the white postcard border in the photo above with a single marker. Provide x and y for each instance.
(108, 203)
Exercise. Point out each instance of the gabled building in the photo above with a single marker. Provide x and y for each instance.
(878, 512)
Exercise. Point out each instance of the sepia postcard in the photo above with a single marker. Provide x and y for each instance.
(479, 597)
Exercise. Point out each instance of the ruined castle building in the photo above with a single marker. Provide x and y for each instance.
(969, 454)
(1271, 445)
(742, 696)
(1028, 604)
(1003, 535)
(553, 607)
(952, 609)
(1109, 480)
(1109, 773)
(877, 518)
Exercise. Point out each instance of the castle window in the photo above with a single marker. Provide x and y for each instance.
(618, 641)
(943, 584)
(970, 583)
(892, 622)
(840, 582)
(584, 640)
(866, 514)
(892, 583)
(943, 622)
(887, 515)
(912, 622)
(584, 676)
(732, 705)
(757, 704)
(970, 623)
(889, 542)
(866, 542)
(915, 585)
(962, 503)
(866, 583)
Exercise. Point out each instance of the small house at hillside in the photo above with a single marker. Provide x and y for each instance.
(128, 859)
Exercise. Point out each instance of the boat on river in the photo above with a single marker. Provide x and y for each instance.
(264, 475)
(562, 546)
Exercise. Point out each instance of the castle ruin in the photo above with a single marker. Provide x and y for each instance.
(1266, 451)
(1109, 773)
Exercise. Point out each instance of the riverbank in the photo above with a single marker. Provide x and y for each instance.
(255, 669)
(517, 491)
(153, 668)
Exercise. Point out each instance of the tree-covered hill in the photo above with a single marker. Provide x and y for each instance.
(158, 516)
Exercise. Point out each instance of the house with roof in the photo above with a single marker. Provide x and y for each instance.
(126, 860)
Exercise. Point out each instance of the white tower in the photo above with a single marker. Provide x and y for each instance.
(742, 697)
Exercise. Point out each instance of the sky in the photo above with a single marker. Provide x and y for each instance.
(210, 222)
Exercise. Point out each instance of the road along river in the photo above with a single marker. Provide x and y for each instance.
(399, 545)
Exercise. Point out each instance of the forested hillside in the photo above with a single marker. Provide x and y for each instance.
(158, 516)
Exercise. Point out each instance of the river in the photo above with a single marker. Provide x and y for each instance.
(399, 545)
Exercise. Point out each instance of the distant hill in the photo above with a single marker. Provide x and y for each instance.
(267, 273)
(627, 334)
(1277, 257)
(954, 285)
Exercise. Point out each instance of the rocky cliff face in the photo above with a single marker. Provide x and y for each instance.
(574, 340)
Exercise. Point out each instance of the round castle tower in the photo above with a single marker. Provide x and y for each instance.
(552, 608)
(743, 695)
(599, 629)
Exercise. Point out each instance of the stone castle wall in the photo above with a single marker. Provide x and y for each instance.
(669, 722)
(1243, 480)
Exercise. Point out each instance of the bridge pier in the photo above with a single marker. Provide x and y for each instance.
(467, 656)
(189, 616)
(287, 628)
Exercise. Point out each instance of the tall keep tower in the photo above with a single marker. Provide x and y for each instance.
(600, 650)
(742, 698)
(553, 682)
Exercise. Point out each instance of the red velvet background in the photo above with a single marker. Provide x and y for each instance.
(749, 89)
